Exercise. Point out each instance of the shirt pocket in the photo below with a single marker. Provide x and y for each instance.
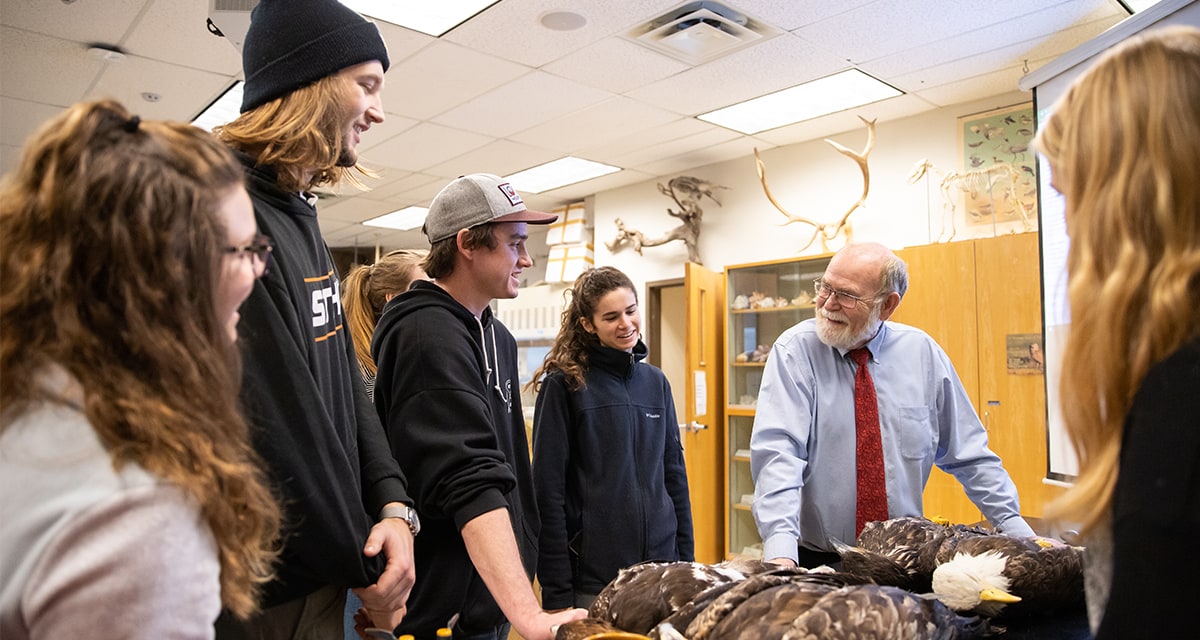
(914, 432)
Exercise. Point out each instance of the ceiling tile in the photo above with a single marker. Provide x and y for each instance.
(380, 132)
(423, 146)
(502, 157)
(441, 76)
(882, 111)
(401, 42)
(614, 118)
(22, 118)
(26, 58)
(1031, 31)
(106, 21)
(180, 89)
(795, 13)
(512, 30)
(781, 62)
(178, 32)
(405, 181)
(352, 209)
(615, 65)
(624, 145)
(513, 107)
(642, 159)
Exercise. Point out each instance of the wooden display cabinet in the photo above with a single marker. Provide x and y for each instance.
(763, 300)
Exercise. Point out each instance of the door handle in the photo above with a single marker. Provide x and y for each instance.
(692, 427)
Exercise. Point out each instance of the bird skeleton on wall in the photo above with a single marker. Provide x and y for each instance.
(972, 182)
(827, 231)
(687, 192)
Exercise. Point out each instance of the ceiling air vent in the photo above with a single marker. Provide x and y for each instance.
(697, 32)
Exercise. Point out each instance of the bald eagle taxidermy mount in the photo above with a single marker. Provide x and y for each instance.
(995, 574)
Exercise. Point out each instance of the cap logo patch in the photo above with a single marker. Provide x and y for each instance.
(513, 197)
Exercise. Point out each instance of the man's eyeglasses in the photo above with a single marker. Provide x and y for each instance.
(824, 291)
(259, 250)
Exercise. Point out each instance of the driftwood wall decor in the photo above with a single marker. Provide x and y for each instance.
(827, 231)
(687, 192)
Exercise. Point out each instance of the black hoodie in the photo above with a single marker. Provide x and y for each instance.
(309, 415)
(446, 390)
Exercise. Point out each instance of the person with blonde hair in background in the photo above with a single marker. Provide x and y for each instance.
(134, 506)
(364, 292)
(1122, 147)
(608, 468)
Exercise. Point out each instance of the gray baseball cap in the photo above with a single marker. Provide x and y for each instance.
(476, 199)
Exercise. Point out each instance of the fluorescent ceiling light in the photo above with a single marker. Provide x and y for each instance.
(223, 110)
(433, 18)
(404, 219)
(820, 97)
(558, 173)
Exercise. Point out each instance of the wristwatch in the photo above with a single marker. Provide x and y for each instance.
(405, 513)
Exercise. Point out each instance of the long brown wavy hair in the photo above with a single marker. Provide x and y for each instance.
(1122, 145)
(569, 354)
(299, 133)
(366, 289)
(111, 254)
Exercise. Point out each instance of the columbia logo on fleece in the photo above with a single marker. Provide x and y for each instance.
(654, 415)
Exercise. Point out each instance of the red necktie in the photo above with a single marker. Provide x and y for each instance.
(871, 504)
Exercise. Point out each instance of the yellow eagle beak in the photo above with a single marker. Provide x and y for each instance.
(997, 595)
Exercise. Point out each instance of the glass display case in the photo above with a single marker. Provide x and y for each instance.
(763, 300)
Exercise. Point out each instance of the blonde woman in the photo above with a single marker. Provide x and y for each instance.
(364, 292)
(1122, 144)
(133, 504)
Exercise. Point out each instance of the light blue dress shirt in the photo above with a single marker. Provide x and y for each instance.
(802, 452)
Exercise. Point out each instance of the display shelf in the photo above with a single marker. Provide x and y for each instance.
(763, 300)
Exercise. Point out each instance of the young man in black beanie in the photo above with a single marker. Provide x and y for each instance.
(314, 72)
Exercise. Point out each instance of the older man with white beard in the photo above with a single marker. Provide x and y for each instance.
(853, 413)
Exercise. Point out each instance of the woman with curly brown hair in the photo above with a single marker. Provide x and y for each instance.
(133, 504)
(1122, 146)
(608, 465)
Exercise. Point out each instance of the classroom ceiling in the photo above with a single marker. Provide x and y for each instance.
(501, 92)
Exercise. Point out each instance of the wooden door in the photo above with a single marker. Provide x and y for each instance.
(941, 301)
(703, 443)
(1012, 389)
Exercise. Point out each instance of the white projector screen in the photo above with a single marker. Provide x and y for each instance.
(1048, 83)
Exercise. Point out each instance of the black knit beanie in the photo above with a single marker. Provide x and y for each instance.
(293, 43)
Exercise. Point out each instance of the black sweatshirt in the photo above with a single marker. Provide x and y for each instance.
(446, 390)
(608, 466)
(309, 415)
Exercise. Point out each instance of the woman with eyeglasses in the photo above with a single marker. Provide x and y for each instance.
(1122, 147)
(608, 467)
(133, 505)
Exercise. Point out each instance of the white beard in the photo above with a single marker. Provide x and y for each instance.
(843, 336)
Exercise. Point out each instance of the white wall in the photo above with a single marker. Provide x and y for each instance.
(810, 179)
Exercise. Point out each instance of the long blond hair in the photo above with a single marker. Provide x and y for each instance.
(111, 254)
(301, 134)
(366, 289)
(1122, 145)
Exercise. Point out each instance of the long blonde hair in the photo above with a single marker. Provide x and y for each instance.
(1122, 145)
(299, 133)
(366, 289)
(111, 254)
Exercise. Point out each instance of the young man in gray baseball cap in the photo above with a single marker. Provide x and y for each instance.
(447, 393)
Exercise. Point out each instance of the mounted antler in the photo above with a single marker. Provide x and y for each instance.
(827, 231)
